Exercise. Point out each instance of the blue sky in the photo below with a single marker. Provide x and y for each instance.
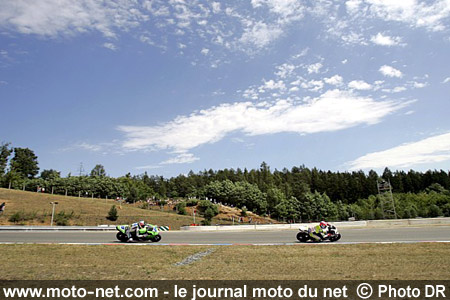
(165, 87)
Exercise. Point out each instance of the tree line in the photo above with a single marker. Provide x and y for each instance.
(297, 194)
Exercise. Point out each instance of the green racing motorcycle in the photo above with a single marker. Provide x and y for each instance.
(148, 233)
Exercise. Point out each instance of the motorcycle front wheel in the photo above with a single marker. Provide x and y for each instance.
(156, 238)
(337, 237)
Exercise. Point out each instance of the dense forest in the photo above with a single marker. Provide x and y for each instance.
(296, 194)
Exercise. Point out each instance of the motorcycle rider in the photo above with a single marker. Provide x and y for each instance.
(319, 232)
(135, 228)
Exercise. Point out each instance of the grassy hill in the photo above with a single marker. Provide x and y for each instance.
(31, 208)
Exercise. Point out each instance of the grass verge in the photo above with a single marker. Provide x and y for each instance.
(362, 262)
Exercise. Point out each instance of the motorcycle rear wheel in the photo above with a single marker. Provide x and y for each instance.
(121, 237)
(302, 237)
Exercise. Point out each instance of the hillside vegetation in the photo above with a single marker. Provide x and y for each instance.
(30, 208)
(297, 195)
(35, 209)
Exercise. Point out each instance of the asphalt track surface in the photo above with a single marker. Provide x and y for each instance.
(363, 235)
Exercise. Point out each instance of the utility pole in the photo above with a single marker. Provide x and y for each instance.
(53, 211)
(81, 169)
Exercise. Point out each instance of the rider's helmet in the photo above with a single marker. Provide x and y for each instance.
(141, 223)
(323, 224)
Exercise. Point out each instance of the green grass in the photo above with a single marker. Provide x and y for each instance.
(300, 262)
(31, 208)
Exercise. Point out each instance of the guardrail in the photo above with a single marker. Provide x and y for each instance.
(68, 228)
(59, 228)
(346, 224)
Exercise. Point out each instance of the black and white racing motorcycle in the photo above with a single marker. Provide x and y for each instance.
(332, 235)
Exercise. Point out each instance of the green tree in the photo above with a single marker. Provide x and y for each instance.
(112, 214)
(25, 163)
(181, 208)
(99, 171)
(50, 174)
(434, 211)
(5, 152)
(203, 205)
(288, 209)
(446, 210)
(274, 197)
(11, 178)
(316, 206)
(208, 215)
(244, 211)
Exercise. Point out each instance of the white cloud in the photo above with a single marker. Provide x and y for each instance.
(359, 85)
(66, 17)
(430, 15)
(183, 158)
(419, 85)
(314, 68)
(385, 40)
(89, 147)
(332, 111)
(86, 146)
(302, 53)
(216, 7)
(231, 25)
(398, 89)
(250, 93)
(353, 6)
(430, 150)
(110, 46)
(260, 34)
(274, 85)
(446, 80)
(285, 70)
(205, 51)
(354, 38)
(312, 85)
(390, 71)
(334, 80)
(286, 10)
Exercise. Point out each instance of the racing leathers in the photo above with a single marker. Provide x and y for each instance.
(317, 233)
(135, 229)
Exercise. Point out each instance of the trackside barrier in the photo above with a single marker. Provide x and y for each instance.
(267, 226)
(346, 224)
(59, 228)
(68, 228)
(408, 222)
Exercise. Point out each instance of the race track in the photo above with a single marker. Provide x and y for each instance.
(366, 235)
